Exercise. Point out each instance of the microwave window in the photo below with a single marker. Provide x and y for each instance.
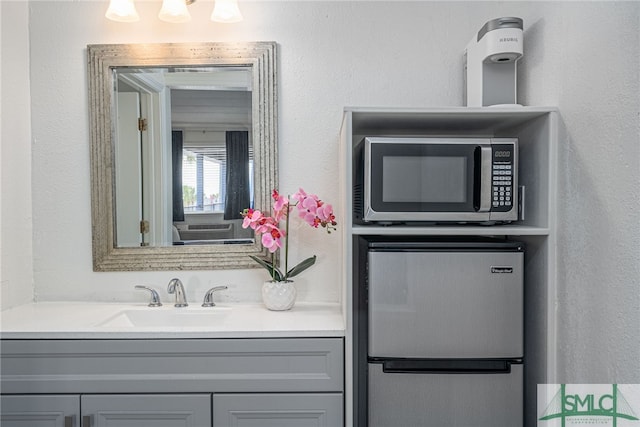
(424, 179)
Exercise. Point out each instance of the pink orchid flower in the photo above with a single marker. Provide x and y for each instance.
(310, 209)
(323, 212)
(251, 218)
(271, 243)
(299, 195)
(280, 206)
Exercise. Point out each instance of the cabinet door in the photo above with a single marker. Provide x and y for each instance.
(40, 411)
(140, 410)
(277, 410)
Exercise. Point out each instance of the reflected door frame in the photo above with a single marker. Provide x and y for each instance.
(148, 163)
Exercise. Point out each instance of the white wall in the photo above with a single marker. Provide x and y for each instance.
(580, 56)
(16, 254)
(598, 94)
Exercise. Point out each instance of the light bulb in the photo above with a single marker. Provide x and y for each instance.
(174, 11)
(122, 11)
(226, 11)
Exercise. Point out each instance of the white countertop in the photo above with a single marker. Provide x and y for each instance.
(85, 320)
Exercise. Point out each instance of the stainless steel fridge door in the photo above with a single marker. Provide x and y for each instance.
(445, 400)
(445, 304)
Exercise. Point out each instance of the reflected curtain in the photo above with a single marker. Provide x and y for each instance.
(237, 179)
(176, 170)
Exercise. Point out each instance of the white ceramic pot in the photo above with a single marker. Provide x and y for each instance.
(279, 296)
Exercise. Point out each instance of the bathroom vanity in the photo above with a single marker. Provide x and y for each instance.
(250, 367)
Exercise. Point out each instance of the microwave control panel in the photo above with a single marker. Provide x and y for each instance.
(502, 174)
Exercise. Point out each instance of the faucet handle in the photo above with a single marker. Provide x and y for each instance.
(208, 297)
(155, 298)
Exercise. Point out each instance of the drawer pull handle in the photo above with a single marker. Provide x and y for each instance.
(86, 421)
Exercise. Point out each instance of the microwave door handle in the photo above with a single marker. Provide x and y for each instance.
(485, 179)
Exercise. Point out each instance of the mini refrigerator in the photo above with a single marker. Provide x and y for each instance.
(443, 333)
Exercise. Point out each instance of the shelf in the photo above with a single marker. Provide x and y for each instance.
(501, 230)
(443, 121)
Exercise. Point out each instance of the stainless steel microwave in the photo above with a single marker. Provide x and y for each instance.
(416, 179)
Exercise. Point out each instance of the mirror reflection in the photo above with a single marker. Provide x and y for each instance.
(183, 138)
(207, 150)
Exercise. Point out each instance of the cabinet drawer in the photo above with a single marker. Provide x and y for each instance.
(139, 410)
(278, 410)
(191, 365)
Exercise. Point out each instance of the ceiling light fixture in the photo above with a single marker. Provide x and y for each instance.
(174, 11)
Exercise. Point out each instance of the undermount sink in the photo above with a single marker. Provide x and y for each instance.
(168, 317)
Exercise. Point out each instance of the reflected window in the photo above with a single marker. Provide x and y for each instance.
(203, 185)
(204, 179)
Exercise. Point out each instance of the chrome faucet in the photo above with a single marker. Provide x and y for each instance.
(175, 287)
(208, 297)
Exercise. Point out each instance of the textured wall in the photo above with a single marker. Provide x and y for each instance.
(599, 227)
(580, 56)
(16, 255)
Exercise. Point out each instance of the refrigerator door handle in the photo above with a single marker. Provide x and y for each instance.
(438, 366)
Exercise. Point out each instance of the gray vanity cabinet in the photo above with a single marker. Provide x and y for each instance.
(135, 410)
(172, 382)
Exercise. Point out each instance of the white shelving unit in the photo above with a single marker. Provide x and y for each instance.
(537, 131)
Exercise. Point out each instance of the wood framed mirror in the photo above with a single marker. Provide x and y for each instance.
(148, 102)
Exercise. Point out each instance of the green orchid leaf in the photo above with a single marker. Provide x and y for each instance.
(274, 271)
(301, 267)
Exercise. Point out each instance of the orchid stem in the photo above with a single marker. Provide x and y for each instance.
(273, 266)
(286, 242)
